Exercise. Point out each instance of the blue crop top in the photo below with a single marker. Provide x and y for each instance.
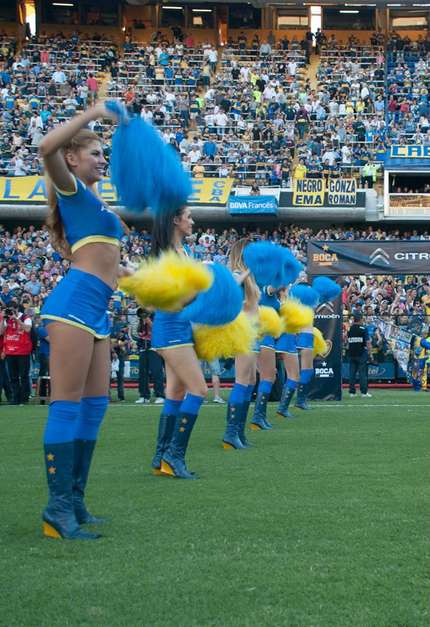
(87, 219)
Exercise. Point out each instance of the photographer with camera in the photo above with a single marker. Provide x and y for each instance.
(4, 376)
(17, 346)
(120, 347)
(150, 362)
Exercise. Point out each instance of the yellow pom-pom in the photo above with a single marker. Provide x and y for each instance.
(296, 316)
(320, 345)
(269, 323)
(167, 283)
(227, 340)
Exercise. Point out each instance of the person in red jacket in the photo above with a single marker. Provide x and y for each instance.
(4, 377)
(17, 347)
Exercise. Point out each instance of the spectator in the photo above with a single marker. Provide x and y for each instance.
(150, 362)
(17, 345)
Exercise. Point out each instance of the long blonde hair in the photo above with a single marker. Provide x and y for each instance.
(237, 264)
(53, 220)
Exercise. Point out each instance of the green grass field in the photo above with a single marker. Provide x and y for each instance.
(325, 522)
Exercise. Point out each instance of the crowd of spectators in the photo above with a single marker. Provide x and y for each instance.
(41, 85)
(30, 269)
(408, 90)
(249, 111)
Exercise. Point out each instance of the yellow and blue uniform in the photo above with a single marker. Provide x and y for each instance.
(168, 330)
(256, 346)
(305, 339)
(287, 343)
(269, 300)
(81, 299)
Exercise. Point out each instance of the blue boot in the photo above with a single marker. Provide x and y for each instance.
(242, 425)
(302, 397)
(59, 519)
(82, 455)
(166, 426)
(260, 411)
(287, 395)
(173, 459)
(231, 439)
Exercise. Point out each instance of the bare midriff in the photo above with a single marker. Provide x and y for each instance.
(100, 259)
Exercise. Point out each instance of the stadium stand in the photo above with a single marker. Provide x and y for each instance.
(264, 109)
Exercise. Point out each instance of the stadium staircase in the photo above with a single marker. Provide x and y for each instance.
(104, 78)
(312, 69)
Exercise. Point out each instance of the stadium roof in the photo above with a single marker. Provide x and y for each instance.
(413, 4)
(391, 4)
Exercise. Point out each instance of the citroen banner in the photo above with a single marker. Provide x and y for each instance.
(368, 257)
(327, 382)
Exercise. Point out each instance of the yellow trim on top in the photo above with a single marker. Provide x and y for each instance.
(93, 239)
(165, 348)
(98, 336)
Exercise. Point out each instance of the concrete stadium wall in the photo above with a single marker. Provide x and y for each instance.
(112, 32)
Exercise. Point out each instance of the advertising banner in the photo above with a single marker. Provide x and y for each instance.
(368, 257)
(410, 151)
(32, 190)
(341, 192)
(327, 382)
(335, 192)
(253, 205)
(308, 192)
(408, 157)
(384, 371)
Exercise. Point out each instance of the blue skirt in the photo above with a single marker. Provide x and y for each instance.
(168, 331)
(81, 300)
(268, 342)
(305, 339)
(287, 343)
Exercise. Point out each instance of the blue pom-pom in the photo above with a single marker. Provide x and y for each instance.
(145, 171)
(118, 108)
(291, 268)
(271, 264)
(327, 288)
(305, 294)
(220, 304)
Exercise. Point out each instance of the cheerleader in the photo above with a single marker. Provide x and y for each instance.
(84, 230)
(266, 365)
(245, 365)
(172, 338)
(305, 346)
(299, 370)
(286, 346)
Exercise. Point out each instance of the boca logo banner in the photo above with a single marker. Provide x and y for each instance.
(334, 258)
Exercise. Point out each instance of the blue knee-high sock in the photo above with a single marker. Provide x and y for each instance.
(91, 414)
(306, 375)
(237, 394)
(171, 407)
(249, 392)
(265, 387)
(291, 384)
(191, 404)
(61, 423)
